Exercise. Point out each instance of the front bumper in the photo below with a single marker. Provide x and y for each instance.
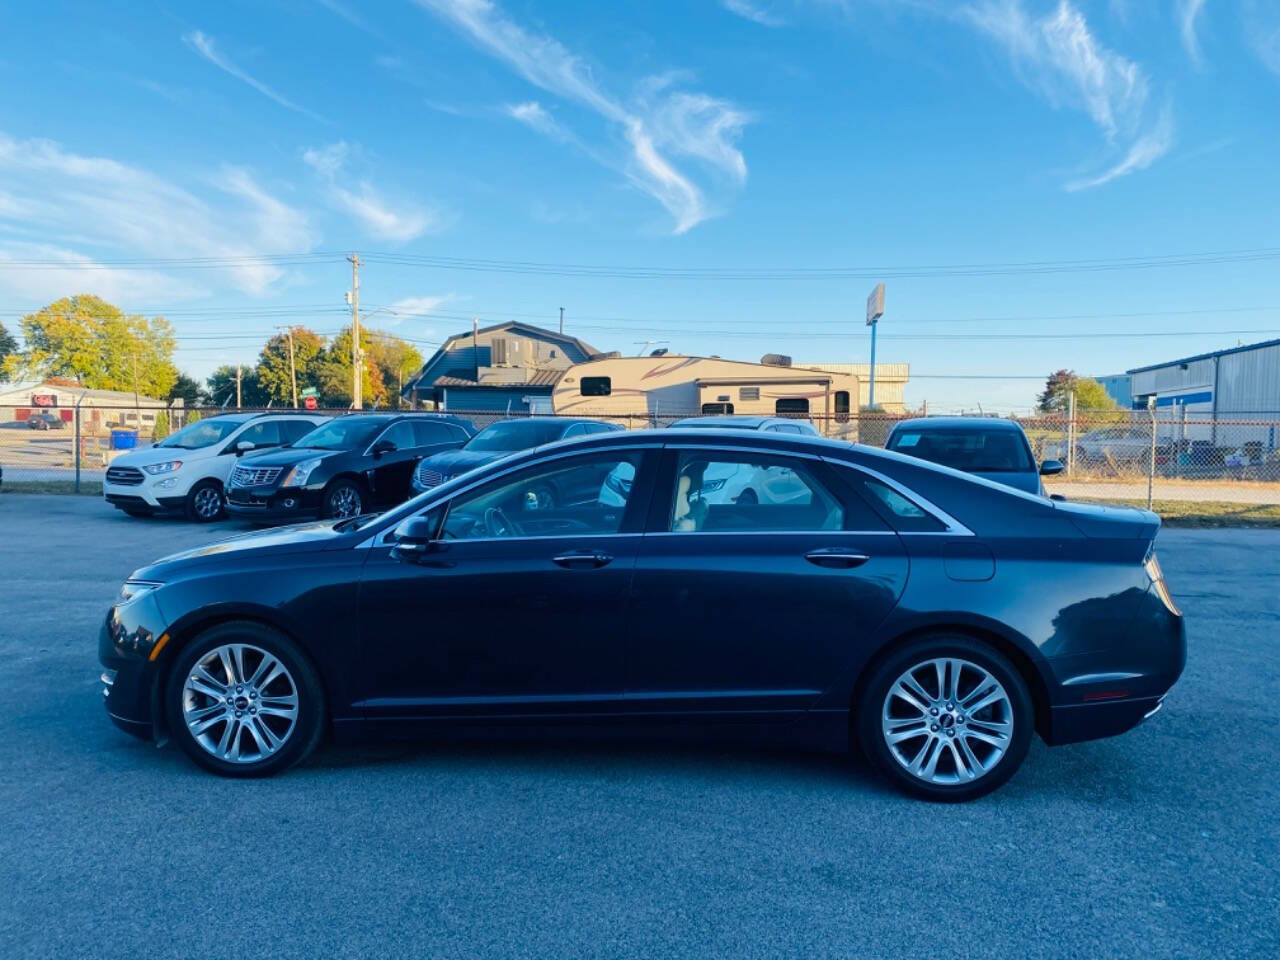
(274, 504)
(147, 496)
(125, 645)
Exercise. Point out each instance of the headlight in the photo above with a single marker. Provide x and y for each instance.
(132, 589)
(167, 467)
(300, 473)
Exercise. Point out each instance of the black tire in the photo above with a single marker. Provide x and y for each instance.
(307, 729)
(885, 673)
(198, 507)
(336, 497)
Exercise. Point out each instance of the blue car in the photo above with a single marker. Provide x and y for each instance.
(936, 621)
(986, 447)
(504, 438)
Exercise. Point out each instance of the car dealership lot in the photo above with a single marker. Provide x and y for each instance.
(1161, 842)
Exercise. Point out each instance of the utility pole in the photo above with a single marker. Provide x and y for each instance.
(357, 359)
(562, 320)
(237, 386)
(475, 346)
(293, 370)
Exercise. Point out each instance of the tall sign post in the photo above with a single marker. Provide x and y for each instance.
(875, 310)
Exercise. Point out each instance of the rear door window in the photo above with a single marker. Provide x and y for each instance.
(720, 492)
(427, 433)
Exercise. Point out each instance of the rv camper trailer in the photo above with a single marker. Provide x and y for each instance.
(653, 391)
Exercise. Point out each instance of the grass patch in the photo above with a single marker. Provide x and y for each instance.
(91, 488)
(1202, 513)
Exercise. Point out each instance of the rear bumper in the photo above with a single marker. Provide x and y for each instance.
(1074, 723)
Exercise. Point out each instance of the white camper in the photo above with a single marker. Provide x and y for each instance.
(653, 391)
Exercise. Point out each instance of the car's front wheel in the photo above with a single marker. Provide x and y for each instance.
(946, 718)
(205, 502)
(344, 499)
(243, 701)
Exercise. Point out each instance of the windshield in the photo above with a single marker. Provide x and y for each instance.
(515, 435)
(973, 451)
(347, 433)
(202, 433)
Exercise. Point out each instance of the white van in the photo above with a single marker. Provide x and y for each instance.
(187, 471)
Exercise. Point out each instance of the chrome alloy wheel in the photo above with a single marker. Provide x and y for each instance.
(947, 721)
(207, 503)
(345, 503)
(240, 703)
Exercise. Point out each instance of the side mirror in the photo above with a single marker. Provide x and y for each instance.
(243, 447)
(1051, 468)
(1056, 496)
(383, 446)
(415, 538)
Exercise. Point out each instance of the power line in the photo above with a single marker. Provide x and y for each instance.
(617, 271)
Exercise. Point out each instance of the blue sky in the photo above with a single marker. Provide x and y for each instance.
(747, 137)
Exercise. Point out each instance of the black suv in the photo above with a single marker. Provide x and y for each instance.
(349, 466)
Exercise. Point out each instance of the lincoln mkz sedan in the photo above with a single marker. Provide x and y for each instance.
(936, 619)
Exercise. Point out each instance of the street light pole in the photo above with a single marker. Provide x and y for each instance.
(875, 310)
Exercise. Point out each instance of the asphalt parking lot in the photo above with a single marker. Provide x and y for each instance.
(1162, 843)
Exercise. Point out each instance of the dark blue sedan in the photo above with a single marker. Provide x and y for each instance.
(936, 619)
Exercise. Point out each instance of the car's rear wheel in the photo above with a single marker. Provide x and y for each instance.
(243, 701)
(946, 718)
(344, 499)
(205, 502)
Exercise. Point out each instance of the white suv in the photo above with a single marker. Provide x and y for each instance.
(186, 472)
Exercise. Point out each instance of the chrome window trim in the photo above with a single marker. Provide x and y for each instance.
(774, 533)
(954, 528)
(514, 468)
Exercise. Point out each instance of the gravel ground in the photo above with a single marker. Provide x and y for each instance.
(1164, 842)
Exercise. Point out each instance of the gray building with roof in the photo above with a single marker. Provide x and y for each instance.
(505, 368)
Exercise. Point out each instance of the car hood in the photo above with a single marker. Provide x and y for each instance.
(296, 538)
(451, 463)
(144, 458)
(1026, 481)
(287, 456)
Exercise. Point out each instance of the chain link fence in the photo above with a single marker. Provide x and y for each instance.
(1130, 456)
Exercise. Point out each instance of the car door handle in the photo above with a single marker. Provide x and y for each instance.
(584, 559)
(842, 559)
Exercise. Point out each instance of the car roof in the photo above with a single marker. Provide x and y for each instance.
(737, 421)
(566, 421)
(958, 423)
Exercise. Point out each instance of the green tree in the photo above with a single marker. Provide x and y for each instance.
(273, 364)
(187, 389)
(8, 347)
(193, 416)
(222, 387)
(395, 359)
(1090, 394)
(161, 429)
(95, 343)
(334, 374)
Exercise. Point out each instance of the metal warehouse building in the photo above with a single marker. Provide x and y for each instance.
(1217, 393)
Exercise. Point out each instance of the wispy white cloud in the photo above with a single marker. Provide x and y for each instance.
(657, 125)
(344, 12)
(397, 222)
(754, 12)
(1262, 27)
(1146, 150)
(1058, 56)
(119, 211)
(204, 45)
(1189, 12)
(532, 114)
(411, 308)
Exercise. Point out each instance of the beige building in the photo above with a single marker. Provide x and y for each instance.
(98, 408)
(891, 381)
(640, 391)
